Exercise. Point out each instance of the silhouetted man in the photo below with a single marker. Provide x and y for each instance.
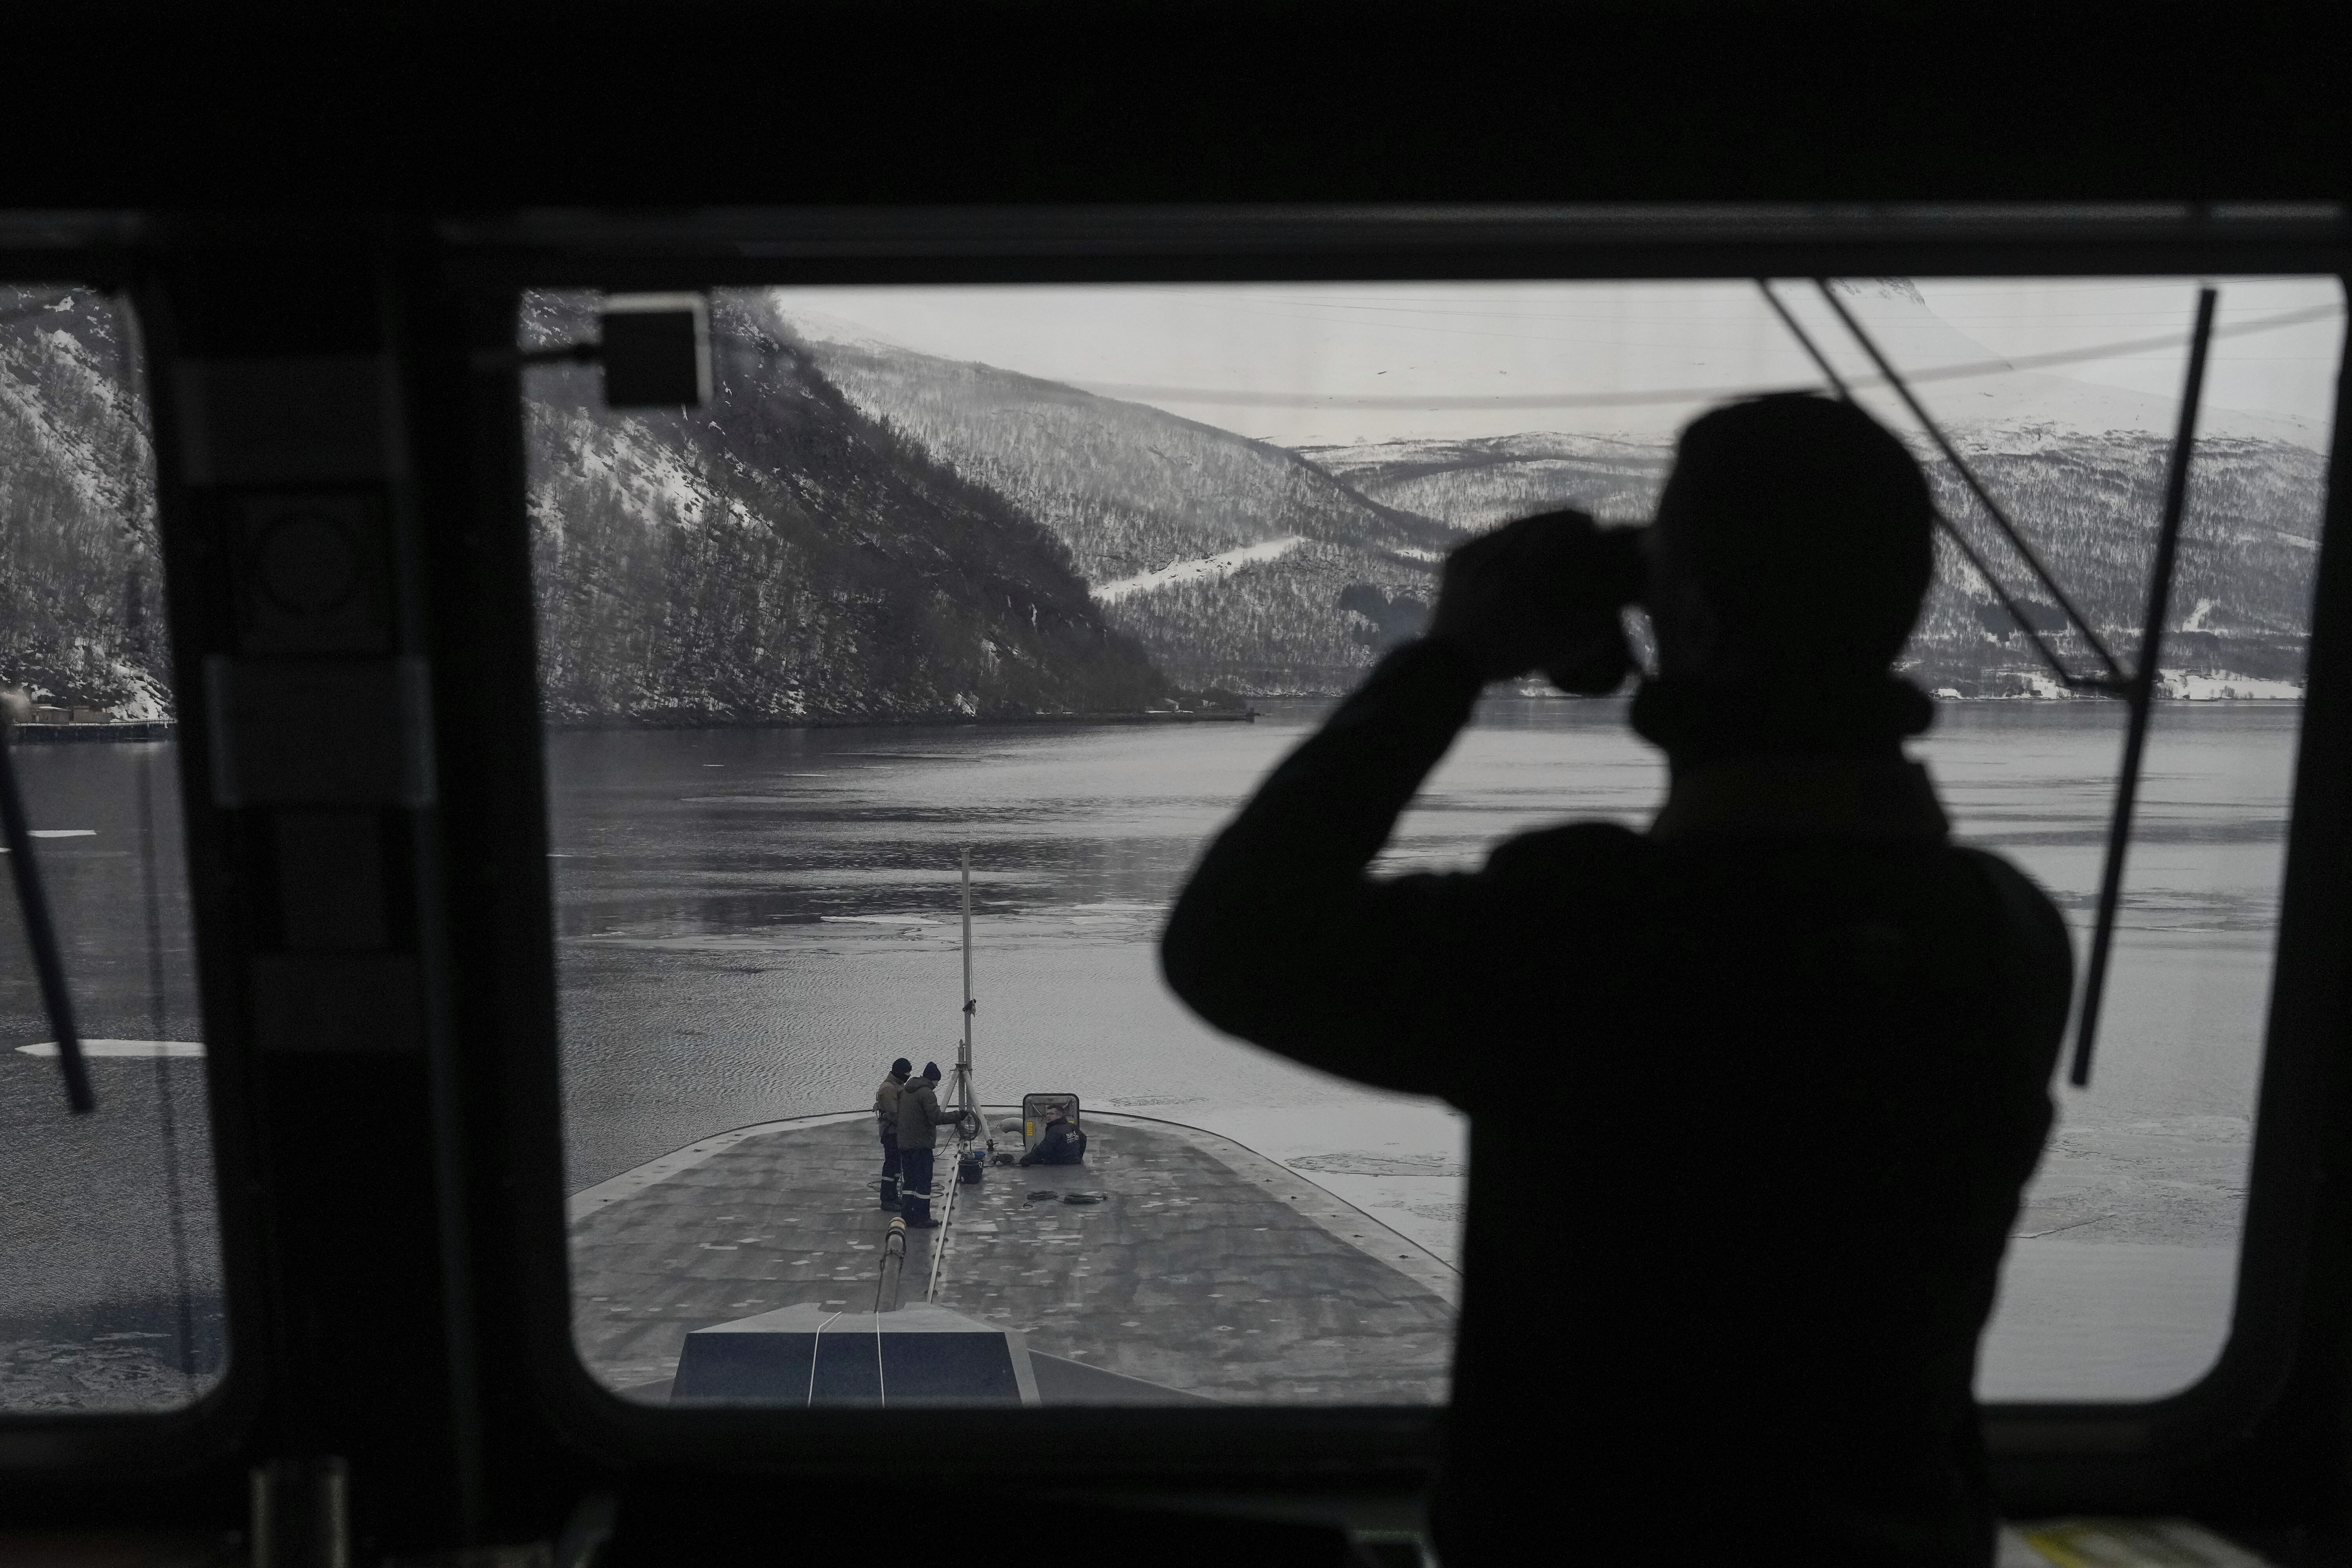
(886, 1119)
(1757, 1346)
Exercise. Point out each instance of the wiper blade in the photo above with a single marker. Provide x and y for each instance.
(2138, 688)
(1969, 551)
(40, 932)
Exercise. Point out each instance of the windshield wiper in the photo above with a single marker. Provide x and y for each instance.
(40, 932)
(2138, 688)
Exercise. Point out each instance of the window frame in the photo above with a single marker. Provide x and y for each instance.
(2111, 1448)
(90, 252)
(2295, 1287)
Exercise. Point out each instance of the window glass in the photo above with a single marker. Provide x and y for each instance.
(1049, 578)
(109, 1267)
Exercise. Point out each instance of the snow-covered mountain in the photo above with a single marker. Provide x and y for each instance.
(779, 556)
(81, 622)
(1226, 558)
(1945, 367)
(2087, 502)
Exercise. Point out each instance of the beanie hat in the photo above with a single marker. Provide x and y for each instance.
(931, 1071)
(900, 1067)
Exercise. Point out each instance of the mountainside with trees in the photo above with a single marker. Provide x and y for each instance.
(777, 555)
(1224, 556)
(2088, 504)
(851, 530)
(81, 597)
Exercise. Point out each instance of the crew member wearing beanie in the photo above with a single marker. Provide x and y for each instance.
(886, 1120)
(920, 1121)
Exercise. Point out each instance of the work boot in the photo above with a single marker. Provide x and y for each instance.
(890, 1204)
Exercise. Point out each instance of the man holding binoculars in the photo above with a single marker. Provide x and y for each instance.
(1723, 1298)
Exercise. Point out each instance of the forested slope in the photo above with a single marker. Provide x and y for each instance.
(2088, 504)
(1135, 491)
(81, 622)
(852, 530)
(777, 555)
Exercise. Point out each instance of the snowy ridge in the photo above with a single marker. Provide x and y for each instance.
(2088, 502)
(1224, 556)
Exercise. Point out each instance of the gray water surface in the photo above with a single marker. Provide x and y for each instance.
(752, 923)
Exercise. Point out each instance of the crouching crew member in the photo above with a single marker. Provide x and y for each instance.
(886, 1117)
(920, 1121)
(1060, 1145)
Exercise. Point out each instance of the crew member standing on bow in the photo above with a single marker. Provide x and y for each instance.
(1761, 1347)
(920, 1121)
(886, 1117)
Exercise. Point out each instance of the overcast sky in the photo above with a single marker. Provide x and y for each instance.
(1309, 364)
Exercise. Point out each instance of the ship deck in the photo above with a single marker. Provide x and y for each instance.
(1203, 1268)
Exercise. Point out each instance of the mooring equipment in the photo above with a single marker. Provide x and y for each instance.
(894, 1264)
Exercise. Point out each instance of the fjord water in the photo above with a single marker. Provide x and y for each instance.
(752, 923)
(110, 1255)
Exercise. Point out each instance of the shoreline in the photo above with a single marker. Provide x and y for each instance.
(148, 729)
(1245, 715)
(113, 730)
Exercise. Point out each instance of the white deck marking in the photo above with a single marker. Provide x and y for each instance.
(148, 1049)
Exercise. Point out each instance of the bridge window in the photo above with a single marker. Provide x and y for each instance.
(109, 1256)
(1043, 580)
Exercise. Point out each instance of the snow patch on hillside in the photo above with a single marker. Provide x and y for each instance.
(2223, 686)
(1208, 568)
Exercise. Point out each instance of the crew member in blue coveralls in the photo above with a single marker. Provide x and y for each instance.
(920, 1121)
(886, 1117)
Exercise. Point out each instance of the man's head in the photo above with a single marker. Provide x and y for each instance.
(1794, 538)
(900, 1068)
(931, 1071)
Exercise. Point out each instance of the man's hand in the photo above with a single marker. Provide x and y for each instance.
(1543, 594)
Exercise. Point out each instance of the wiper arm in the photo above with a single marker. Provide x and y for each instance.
(2138, 688)
(40, 932)
(1960, 540)
(2141, 690)
(2115, 679)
